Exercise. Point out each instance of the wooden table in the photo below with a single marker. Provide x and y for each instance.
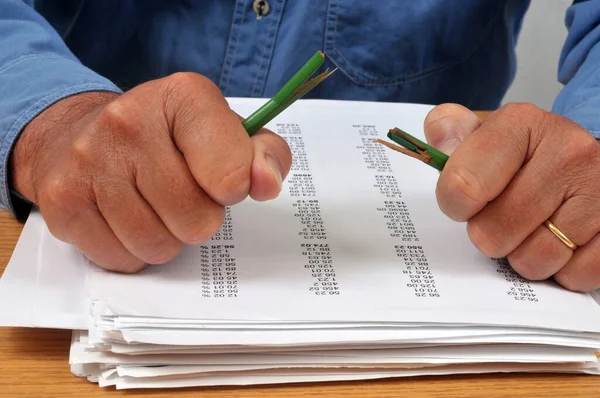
(34, 362)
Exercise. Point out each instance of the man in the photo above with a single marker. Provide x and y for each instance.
(130, 177)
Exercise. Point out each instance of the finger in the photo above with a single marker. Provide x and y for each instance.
(447, 125)
(135, 224)
(271, 164)
(87, 230)
(578, 218)
(582, 272)
(215, 145)
(486, 161)
(540, 256)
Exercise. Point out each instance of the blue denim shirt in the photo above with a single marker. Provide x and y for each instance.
(425, 51)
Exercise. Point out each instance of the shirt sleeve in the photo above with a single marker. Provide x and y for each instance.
(36, 70)
(579, 67)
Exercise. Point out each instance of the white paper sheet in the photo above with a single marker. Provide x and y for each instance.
(325, 337)
(314, 376)
(84, 354)
(44, 282)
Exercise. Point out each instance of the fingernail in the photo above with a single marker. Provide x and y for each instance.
(275, 170)
(448, 146)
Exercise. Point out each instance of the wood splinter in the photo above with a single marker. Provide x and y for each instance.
(423, 157)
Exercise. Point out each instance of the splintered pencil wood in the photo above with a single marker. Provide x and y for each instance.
(422, 157)
(408, 138)
(309, 85)
(415, 148)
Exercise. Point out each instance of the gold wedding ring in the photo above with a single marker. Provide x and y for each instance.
(563, 238)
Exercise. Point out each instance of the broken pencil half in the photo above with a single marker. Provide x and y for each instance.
(413, 147)
(298, 86)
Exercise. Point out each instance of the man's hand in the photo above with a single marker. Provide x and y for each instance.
(508, 174)
(129, 179)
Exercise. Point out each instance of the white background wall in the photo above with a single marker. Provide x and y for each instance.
(538, 50)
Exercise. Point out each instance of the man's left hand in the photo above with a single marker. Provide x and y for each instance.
(510, 173)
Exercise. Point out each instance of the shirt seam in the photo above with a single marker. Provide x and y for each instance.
(263, 57)
(23, 58)
(267, 51)
(235, 47)
(579, 106)
(228, 49)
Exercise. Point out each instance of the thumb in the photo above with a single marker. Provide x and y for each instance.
(447, 125)
(271, 164)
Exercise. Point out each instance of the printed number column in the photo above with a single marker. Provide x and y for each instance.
(218, 265)
(307, 209)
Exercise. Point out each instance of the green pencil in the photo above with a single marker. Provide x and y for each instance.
(293, 90)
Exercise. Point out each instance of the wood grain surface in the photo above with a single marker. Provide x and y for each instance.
(34, 363)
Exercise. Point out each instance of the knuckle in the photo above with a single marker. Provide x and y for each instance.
(519, 109)
(539, 257)
(578, 151)
(200, 230)
(55, 190)
(589, 146)
(232, 185)
(84, 151)
(63, 200)
(117, 118)
(484, 240)
(190, 82)
(460, 184)
(61, 194)
(188, 97)
(526, 122)
(127, 266)
(528, 267)
(161, 250)
(573, 283)
(463, 182)
(183, 79)
(514, 114)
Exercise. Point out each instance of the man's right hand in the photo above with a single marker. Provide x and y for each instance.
(128, 179)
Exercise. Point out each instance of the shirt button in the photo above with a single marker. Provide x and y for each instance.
(261, 8)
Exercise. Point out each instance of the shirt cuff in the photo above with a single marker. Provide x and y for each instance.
(28, 86)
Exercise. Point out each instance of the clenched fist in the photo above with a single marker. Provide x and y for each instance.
(128, 179)
(509, 174)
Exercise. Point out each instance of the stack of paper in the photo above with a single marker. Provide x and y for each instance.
(352, 273)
